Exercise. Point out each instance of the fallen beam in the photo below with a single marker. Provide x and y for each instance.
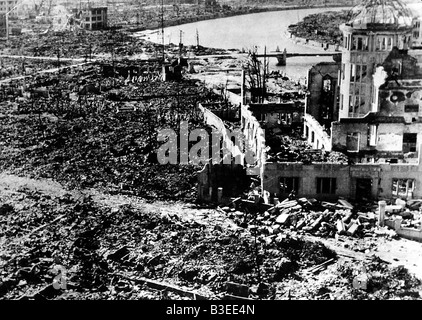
(320, 266)
(158, 285)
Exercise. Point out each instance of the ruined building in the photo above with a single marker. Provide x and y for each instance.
(3, 26)
(91, 18)
(368, 106)
(7, 11)
(374, 103)
(7, 6)
(379, 87)
(417, 33)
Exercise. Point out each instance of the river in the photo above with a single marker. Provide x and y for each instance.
(265, 29)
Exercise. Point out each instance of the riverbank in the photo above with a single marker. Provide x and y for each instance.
(321, 29)
(325, 46)
(226, 14)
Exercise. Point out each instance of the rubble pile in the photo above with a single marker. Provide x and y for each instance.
(340, 220)
(323, 219)
(291, 148)
(78, 44)
(13, 67)
(381, 282)
(101, 247)
(45, 237)
(76, 132)
(372, 279)
(104, 251)
(204, 51)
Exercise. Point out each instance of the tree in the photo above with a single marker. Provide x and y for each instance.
(38, 4)
(49, 6)
(256, 74)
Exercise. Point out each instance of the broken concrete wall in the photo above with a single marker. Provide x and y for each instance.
(387, 142)
(346, 177)
(231, 95)
(407, 233)
(390, 137)
(390, 172)
(404, 100)
(3, 25)
(234, 97)
(278, 114)
(228, 137)
(231, 178)
(320, 102)
(254, 139)
(308, 175)
(228, 114)
(316, 136)
(339, 132)
(224, 111)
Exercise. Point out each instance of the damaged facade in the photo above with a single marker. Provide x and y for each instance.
(7, 6)
(91, 18)
(379, 89)
(417, 33)
(368, 106)
(3, 25)
(376, 108)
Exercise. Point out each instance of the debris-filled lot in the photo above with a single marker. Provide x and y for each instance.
(90, 134)
(116, 247)
(326, 24)
(87, 212)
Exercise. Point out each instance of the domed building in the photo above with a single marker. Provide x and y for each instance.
(380, 92)
(369, 37)
(377, 105)
(369, 107)
(381, 14)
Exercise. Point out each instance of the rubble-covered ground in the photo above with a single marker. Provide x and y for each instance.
(64, 126)
(293, 147)
(117, 247)
(322, 26)
(85, 205)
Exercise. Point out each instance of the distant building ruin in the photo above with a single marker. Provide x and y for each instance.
(3, 25)
(417, 33)
(91, 18)
(7, 6)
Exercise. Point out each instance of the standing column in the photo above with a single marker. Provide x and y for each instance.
(381, 217)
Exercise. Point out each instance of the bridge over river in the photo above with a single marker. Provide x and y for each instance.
(280, 55)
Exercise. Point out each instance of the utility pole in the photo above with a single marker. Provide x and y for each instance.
(162, 27)
(197, 38)
(6, 16)
(265, 74)
(181, 43)
(58, 60)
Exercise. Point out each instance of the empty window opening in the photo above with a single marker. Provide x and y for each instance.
(326, 185)
(352, 141)
(411, 108)
(287, 184)
(409, 142)
(403, 187)
(327, 85)
(372, 135)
